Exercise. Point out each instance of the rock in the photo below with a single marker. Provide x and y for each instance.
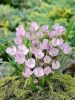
(6, 69)
(62, 87)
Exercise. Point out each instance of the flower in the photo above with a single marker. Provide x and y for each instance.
(44, 28)
(34, 26)
(38, 72)
(39, 54)
(30, 63)
(53, 52)
(19, 57)
(57, 42)
(47, 59)
(23, 49)
(35, 43)
(52, 34)
(59, 29)
(20, 32)
(27, 72)
(66, 48)
(33, 50)
(39, 34)
(47, 70)
(44, 44)
(55, 64)
(11, 50)
(18, 41)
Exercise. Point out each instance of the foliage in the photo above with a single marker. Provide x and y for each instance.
(62, 87)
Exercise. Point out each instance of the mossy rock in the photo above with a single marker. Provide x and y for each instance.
(62, 87)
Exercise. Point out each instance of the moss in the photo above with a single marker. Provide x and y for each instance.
(64, 87)
(13, 89)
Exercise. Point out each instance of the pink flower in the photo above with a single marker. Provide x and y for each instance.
(18, 41)
(23, 49)
(47, 70)
(44, 44)
(39, 34)
(35, 43)
(53, 52)
(34, 26)
(20, 32)
(27, 72)
(47, 59)
(39, 54)
(29, 36)
(44, 28)
(30, 63)
(38, 72)
(52, 34)
(57, 42)
(66, 48)
(59, 29)
(19, 57)
(11, 50)
(33, 50)
(55, 64)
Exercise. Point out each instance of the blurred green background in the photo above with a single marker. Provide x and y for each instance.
(15, 12)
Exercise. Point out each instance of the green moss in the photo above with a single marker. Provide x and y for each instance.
(14, 88)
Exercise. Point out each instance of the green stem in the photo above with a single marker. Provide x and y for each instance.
(43, 81)
(32, 84)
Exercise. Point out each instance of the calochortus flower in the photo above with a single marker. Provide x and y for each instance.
(39, 34)
(40, 55)
(29, 36)
(18, 41)
(19, 57)
(38, 72)
(27, 72)
(20, 32)
(34, 26)
(59, 29)
(44, 28)
(47, 59)
(53, 52)
(52, 34)
(35, 43)
(23, 49)
(11, 50)
(44, 44)
(57, 42)
(55, 64)
(30, 63)
(47, 70)
(66, 48)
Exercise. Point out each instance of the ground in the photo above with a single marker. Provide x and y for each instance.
(62, 87)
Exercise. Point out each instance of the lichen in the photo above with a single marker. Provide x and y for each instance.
(13, 88)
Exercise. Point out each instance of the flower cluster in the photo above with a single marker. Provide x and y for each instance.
(40, 57)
